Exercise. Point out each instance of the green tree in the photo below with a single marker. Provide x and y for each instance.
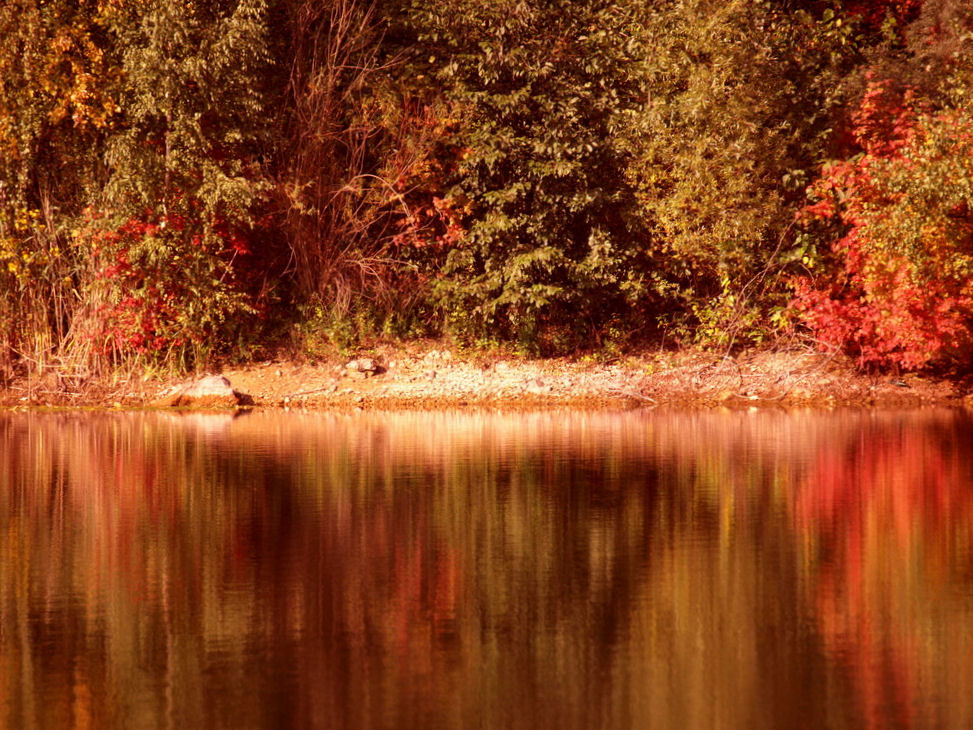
(740, 101)
(540, 92)
(186, 178)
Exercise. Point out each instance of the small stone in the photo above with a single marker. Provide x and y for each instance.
(538, 386)
(365, 365)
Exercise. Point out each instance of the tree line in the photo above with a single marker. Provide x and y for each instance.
(185, 180)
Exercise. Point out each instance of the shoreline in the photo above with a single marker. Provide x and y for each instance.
(434, 377)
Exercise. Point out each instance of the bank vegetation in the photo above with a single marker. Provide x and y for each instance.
(188, 182)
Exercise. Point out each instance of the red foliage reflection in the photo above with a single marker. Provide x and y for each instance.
(878, 522)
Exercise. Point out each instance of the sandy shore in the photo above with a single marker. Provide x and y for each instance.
(432, 376)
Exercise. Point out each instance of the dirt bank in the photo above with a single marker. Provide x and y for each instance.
(434, 376)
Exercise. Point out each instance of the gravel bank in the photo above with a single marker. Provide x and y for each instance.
(437, 377)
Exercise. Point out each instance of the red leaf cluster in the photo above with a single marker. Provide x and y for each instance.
(881, 303)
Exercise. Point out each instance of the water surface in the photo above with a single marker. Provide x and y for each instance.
(446, 570)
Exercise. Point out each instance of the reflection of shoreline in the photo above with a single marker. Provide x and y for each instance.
(628, 564)
(680, 436)
(218, 550)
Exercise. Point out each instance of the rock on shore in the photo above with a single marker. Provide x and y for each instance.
(213, 391)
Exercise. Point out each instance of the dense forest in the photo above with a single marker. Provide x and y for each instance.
(187, 180)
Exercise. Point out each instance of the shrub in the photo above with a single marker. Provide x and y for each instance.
(900, 293)
(181, 201)
(538, 233)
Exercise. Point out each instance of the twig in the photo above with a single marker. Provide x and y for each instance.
(633, 394)
(308, 392)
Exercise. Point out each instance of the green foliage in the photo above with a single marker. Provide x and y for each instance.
(541, 92)
(738, 100)
(185, 180)
(193, 109)
(552, 174)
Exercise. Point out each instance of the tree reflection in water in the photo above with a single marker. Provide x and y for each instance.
(492, 570)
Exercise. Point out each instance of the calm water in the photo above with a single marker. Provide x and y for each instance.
(571, 570)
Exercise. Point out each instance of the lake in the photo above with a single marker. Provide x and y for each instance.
(631, 569)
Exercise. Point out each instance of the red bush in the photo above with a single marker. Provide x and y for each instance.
(898, 293)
